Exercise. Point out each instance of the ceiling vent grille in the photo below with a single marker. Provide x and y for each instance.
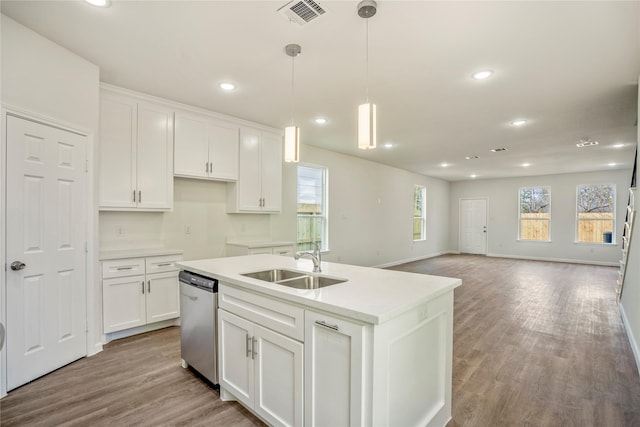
(302, 11)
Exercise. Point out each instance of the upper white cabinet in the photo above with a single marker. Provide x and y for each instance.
(205, 148)
(136, 154)
(259, 186)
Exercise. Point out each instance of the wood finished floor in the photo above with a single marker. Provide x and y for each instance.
(535, 344)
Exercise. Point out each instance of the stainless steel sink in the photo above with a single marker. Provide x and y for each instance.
(294, 279)
(311, 282)
(274, 275)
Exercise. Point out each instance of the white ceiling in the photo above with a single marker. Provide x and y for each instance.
(570, 68)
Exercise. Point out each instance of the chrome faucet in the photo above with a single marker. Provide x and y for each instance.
(315, 257)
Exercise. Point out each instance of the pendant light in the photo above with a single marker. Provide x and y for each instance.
(367, 111)
(292, 133)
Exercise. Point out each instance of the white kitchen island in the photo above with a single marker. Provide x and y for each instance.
(375, 350)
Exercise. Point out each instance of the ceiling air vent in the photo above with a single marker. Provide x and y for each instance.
(301, 11)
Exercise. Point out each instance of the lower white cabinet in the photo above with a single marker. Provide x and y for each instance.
(334, 371)
(139, 291)
(279, 248)
(262, 369)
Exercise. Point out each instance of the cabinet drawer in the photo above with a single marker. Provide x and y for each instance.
(283, 250)
(275, 315)
(161, 264)
(122, 267)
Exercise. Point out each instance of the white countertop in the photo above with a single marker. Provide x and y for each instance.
(138, 253)
(371, 295)
(258, 244)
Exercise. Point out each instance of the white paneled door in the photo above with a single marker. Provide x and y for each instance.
(46, 237)
(473, 226)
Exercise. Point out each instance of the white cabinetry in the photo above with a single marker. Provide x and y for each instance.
(274, 248)
(334, 371)
(205, 148)
(136, 154)
(259, 365)
(259, 186)
(139, 291)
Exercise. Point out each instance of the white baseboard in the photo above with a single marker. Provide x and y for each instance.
(405, 261)
(572, 261)
(632, 340)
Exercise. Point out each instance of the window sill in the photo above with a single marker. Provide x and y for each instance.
(614, 244)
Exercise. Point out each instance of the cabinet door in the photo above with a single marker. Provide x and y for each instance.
(154, 158)
(191, 146)
(163, 296)
(271, 172)
(123, 303)
(279, 378)
(117, 154)
(334, 371)
(223, 151)
(249, 180)
(236, 357)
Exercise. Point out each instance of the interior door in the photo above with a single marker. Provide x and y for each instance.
(46, 237)
(473, 226)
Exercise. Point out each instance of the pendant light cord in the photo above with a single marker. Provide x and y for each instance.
(367, 58)
(292, 92)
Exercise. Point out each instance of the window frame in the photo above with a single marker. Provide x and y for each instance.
(613, 216)
(324, 247)
(519, 236)
(423, 217)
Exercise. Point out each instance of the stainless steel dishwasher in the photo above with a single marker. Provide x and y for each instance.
(198, 318)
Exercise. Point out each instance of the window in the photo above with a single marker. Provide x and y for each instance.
(535, 213)
(419, 213)
(595, 213)
(312, 208)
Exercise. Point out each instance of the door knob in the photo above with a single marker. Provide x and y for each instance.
(18, 265)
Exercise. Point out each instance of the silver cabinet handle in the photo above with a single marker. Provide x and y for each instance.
(326, 325)
(149, 286)
(139, 196)
(248, 343)
(206, 167)
(123, 268)
(142, 286)
(254, 341)
(164, 264)
(17, 265)
(134, 196)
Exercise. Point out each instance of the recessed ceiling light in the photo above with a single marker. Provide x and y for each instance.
(99, 3)
(586, 142)
(472, 157)
(473, 176)
(526, 165)
(320, 120)
(444, 165)
(388, 145)
(497, 150)
(482, 74)
(619, 145)
(612, 164)
(519, 122)
(227, 86)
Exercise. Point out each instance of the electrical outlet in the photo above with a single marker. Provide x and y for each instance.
(187, 229)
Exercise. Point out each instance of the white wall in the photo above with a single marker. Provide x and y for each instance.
(46, 81)
(502, 218)
(370, 210)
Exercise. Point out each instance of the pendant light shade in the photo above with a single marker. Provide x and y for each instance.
(292, 133)
(367, 111)
(367, 126)
(292, 144)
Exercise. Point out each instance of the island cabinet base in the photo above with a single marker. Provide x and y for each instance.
(397, 373)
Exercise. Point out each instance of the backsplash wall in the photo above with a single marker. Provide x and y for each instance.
(199, 223)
